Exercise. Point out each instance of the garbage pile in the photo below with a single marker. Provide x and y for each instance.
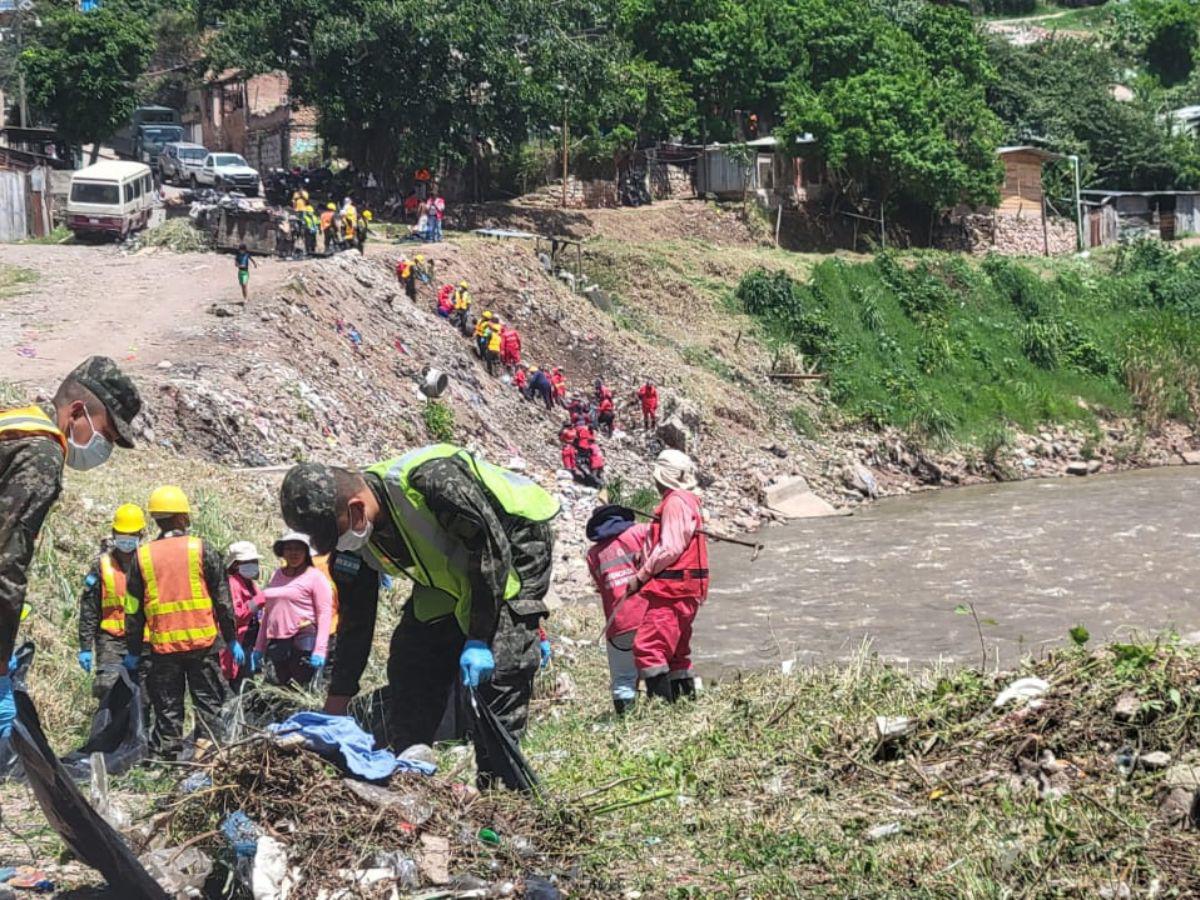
(288, 823)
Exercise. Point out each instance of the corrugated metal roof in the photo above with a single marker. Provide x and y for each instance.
(1029, 148)
(1102, 193)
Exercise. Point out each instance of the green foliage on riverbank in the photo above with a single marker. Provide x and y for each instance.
(947, 349)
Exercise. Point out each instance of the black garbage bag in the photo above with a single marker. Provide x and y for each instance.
(10, 763)
(503, 751)
(90, 838)
(118, 731)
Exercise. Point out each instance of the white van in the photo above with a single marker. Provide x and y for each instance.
(111, 197)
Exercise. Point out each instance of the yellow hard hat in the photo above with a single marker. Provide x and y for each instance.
(309, 208)
(367, 215)
(129, 519)
(487, 314)
(168, 500)
(332, 206)
(420, 258)
(462, 284)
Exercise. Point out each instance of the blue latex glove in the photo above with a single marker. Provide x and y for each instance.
(255, 661)
(317, 661)
(8, 706)
(85, 660)
(544, 646)
(476, 663)
(239, 653)
(131, 661)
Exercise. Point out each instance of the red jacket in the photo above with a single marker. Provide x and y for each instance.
(648, 394)
(596, 460)
(612, 563)
(569, 457)
(520, 379)
(248, 602)
(606, 405)
(687, 577)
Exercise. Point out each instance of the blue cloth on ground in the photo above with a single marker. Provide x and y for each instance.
(340, 737)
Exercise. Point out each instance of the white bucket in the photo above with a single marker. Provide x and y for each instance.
(434, 382)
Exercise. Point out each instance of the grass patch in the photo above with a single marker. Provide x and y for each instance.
(60, 234)
(706, 358)
(439, 421)
(771, 785)
(951, 351)
(15, 280)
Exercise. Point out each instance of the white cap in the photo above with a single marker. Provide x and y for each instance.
(292, 537)
(675, 470)
(240, 552)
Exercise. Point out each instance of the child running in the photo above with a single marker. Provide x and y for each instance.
(244, 259)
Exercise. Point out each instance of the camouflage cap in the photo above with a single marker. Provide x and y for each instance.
(308, 501)
(112, 387)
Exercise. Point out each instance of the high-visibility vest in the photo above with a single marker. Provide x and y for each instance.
(687, 577)
(30, 420)
(112, 597)
(435, 557)
(179, 609)
(322, 564)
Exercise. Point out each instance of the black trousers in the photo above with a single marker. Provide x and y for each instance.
(172, 677)
(423, 666)
(289, 663)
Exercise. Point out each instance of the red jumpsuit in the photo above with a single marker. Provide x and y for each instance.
(510, 347)
(569, 457)
(675, 582)
(558, 381)
(648, 394)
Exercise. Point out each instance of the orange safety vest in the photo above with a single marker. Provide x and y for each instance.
(179, 609)
(687, 577)
(112, 597)
(322, 563)
(30, 420)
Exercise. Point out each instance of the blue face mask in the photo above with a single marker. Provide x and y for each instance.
(95, 452)
(126, 543)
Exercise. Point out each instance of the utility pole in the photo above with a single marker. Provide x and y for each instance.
(24, 104)
(1078, 204)
(565, 144)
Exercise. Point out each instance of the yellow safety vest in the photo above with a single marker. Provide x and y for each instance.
(30, 420)
(114, 598)
(179, 609)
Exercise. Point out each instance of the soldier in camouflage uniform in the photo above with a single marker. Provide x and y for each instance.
(90, 412)
(477, 541)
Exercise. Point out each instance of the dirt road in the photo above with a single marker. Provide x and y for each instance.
(96, 299)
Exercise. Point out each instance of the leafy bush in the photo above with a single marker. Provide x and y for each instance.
(439, 421)
(956, 351)
(1008, 7)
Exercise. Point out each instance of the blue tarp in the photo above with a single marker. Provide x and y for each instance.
(340, 739)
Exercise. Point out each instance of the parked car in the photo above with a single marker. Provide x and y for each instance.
(148, 129)
(179, 160)
(112, 197)
(226, 172)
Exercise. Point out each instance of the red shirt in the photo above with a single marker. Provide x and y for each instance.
(648, 394)
(569, 457)
(520, 379)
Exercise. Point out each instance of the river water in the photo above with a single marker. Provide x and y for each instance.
(1118, 554)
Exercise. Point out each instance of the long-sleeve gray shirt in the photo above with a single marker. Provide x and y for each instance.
(218, 590)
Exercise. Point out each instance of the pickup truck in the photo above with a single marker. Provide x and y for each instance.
(226, 172)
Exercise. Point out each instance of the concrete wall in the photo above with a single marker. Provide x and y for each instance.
(1007, 234)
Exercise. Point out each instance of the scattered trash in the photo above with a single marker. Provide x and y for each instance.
(1023, 689)
(879, 832)
(340, 738)
(433, 858)
(488, 836)
(30, 879)
(271, 879)
(403, 869)
(1127, 707)
(180, 871)
(892, 728)
(1158, 759)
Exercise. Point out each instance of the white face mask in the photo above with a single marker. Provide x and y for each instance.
(87, 456)
(248, 570)
(353, 541)
(126, 543)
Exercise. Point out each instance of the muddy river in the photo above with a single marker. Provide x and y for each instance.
(1118, 554)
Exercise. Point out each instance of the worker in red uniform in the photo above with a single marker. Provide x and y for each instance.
(648, 396)
(570, 457)
(613, 560)
(606, 414)
(510, 347)
(673, 580)
(521, 381)
(558, 381)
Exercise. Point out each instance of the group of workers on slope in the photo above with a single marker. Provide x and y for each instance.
(495, 342)
(341, 227)
(157, 607)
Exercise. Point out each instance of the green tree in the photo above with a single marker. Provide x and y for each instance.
(895, 96)
(81, 70)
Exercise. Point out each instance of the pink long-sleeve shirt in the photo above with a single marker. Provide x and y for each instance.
(678, 528)
(296, 601)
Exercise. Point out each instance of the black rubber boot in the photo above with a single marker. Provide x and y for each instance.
(622, 706)
(660, 686)
(683, 687)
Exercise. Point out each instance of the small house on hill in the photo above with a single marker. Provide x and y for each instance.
(1023, 222)
(1111, 216)
(772, 176)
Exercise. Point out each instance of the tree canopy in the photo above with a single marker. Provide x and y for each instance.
(81, 69)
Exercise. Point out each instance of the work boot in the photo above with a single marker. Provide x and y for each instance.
(683, 687)
(622, 705)
(660, 686)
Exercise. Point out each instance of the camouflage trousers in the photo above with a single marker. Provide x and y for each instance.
(423, 669)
